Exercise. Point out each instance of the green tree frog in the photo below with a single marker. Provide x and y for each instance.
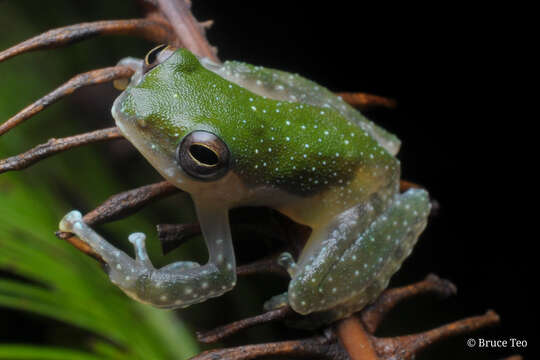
(234, 135)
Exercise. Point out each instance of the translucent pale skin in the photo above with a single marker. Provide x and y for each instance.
(294, 147)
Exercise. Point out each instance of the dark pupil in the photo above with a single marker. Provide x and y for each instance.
(203, 155)
(154, 54)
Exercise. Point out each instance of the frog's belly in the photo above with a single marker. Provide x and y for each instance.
(321, 209)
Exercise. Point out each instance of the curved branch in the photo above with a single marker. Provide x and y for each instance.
(151, 29)
(365, 101)
(187, 28)
(54, 146)
(93, 77)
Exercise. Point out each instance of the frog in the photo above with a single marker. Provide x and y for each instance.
(234, 134)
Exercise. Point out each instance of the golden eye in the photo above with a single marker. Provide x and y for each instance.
(156, 56)
(203, 155)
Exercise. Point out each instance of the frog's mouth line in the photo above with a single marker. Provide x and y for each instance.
(269, 226)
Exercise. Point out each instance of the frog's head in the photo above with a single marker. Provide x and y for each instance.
(166, 113)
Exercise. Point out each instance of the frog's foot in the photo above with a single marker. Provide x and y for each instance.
(179, 284)
(360, 272)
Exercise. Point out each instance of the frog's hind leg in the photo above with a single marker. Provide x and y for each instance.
(363, 270)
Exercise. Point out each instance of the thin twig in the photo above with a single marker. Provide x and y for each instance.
(187, 28)
(373, 314)
(224, 331)
(365, 101)
(172, 236)
(409, 346)
(267, 265)
(318, 347)
(54, 146)
(93, 77)
(151, 29)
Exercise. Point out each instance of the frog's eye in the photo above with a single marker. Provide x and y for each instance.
(156, 56)
(203, 155)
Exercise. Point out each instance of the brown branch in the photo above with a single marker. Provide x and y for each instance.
(409, 346)
(119, 206)
(151, 29)
(319, 347)
(405, 185)
(365, 101)
(187, 28)
(267, 265)
(173, 235)
(224, 331)
(81, 80)
(373, 314)
(54, 146)
(355, 340)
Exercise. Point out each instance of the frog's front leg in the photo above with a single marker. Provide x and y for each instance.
(179, 284)
(353, 263)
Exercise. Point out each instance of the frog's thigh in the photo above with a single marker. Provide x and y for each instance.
(364, 269)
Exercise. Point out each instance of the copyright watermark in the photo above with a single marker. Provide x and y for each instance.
(482, 343)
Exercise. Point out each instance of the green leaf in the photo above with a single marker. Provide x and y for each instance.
(48, 277)
(29, 352)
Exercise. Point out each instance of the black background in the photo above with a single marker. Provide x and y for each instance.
(446, 67)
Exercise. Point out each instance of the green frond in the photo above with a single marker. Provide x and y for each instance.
(44, 275)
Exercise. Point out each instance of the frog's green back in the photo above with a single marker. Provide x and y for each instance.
(285, 86)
